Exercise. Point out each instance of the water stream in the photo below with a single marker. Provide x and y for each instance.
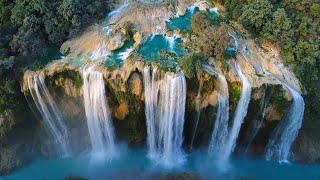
(239, 115)
(165, 100)
(279, 145)
(98, 115)
(220, 132)
(49, 112)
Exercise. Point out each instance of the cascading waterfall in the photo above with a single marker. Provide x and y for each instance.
(214, 10)
(49, 112)
(119, 9)
(194, 6)
(98, 115)
(151, 88)
(220, 131)
(236, 43)
(124, 55)
(165, 101)
(240, 114)
(284, 134)
(171, 42)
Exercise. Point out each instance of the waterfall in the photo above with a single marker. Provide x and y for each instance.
(171, 42)
(220, 131)
(107, 30)
(194, 6)
(240, 114)
(49, 112)
(119, 9)
(98, 115)
(214, 10)
(151, 88)
(102, 51)
(165, 101)
(284, 134)
(236, 43)
(124, 55)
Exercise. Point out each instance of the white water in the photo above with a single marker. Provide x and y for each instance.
(214, 10)
(119, 9)
(107, 30)
(220, 131)
(194, 6)
(102, 51)
(98, 115)
(165, 101)
(284, 134)
(239, 116)
(49, 112)
(124, 55)
(236, 43)
(171, 42)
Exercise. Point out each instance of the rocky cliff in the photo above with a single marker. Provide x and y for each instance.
(136, 20)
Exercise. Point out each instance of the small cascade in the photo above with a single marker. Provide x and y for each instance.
(195, 5)
(49, 112)
(107, 30)
(220, 131)
(198, 115)
(240, 114)
(119, 9)
(102, 51)
(171, 42)
(98, 115)
(214, 10)
(165, 101)
(124, 55)
(236, 43)
(284, 134)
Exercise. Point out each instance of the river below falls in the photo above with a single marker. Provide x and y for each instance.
(134, 164)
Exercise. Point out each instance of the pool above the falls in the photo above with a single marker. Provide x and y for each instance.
(155, 44)
(134, 164)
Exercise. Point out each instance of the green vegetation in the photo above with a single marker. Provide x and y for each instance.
(234, 94)
(209, 39)
(191, 64)
(293, 25)
(206, 39)
(29, 30)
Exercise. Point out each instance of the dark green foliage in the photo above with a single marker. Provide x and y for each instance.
(256, 14)
(294, 26)
(191, 64)
(28, 28)
(234, 94)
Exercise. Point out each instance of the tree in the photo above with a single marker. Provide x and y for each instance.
(222, 41)
(256, 14)
(279, 27)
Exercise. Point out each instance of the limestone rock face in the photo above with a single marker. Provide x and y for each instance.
(122, 111)
(135, 84)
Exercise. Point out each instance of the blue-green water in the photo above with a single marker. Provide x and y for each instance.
(154, 44)
(48, 55)
(181, 22)
(133, 164)
(184, 22)
(118, 56)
